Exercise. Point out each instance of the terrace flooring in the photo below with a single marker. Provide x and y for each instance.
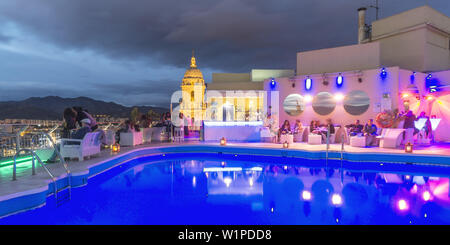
(27, 183)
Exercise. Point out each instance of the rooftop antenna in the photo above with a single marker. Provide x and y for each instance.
(376, 9)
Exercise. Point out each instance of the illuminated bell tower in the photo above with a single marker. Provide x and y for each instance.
(193, 87)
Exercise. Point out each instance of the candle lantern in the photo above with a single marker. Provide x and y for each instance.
(285, 144)
(223, 141)
(408, 148)
(115, 148)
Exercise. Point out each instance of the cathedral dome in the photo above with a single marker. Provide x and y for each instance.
(193, 75)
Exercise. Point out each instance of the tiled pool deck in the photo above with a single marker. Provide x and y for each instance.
(27, 183)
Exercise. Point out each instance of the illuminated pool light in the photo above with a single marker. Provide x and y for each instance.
(336, 199)
(227, 181)
(426, 196)
(306, 195)
(402, 205)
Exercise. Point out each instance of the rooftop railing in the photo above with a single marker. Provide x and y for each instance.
(14, 137)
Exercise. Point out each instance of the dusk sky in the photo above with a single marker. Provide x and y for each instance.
(135, 52)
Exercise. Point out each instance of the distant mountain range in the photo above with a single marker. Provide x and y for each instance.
(52, 107)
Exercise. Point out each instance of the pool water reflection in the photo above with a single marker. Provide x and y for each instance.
(228, 191)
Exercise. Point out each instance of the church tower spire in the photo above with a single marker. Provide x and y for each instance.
(193, 64)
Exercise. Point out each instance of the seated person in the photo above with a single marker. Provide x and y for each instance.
(370, 132)
(316, 128)
(69, 122)
(271, 124)
(312, 126)
(329, 127)
(78, 134)
(298, 129)
(285, 129)
(126, 127)
(355, 129)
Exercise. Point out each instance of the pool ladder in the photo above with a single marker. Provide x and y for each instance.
(328, 148)
(59, 199)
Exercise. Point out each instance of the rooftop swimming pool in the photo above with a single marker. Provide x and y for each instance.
(211, 188)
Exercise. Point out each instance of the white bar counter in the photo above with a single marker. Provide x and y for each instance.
(233, 131)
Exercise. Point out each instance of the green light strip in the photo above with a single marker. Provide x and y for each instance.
(18, 160)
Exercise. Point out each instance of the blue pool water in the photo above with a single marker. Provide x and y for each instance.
(231, 189)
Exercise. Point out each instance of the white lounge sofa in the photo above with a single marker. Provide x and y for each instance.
(267, 135)
(159, 134)
(358, 141)
(391, 137)
(110, 137)
(75, 148)
(314, 139)
(147, 135)
(299, 136)
(131, 139)
(289, 138)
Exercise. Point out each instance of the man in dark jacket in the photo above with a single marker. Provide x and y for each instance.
(370, 131)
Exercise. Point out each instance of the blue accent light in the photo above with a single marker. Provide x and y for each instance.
(383, 73)
(339, 80)
(432, 84)
(273, 83)
(308, 83)
(412, 77)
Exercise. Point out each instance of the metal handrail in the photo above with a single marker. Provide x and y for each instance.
(53, 129)
(34, 156)
(327, 147)
(342, 161)
(61, 159)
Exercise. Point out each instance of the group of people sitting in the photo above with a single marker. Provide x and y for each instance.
(368, 130)
(128, 126)
(77, 123)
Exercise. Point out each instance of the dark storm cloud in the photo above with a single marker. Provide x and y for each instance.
(151, 37)
(227, 35)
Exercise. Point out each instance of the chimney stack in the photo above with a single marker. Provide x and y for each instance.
(361, 24)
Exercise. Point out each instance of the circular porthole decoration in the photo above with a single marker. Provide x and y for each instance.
(356, 102)
(294, 104)
(323, 103)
